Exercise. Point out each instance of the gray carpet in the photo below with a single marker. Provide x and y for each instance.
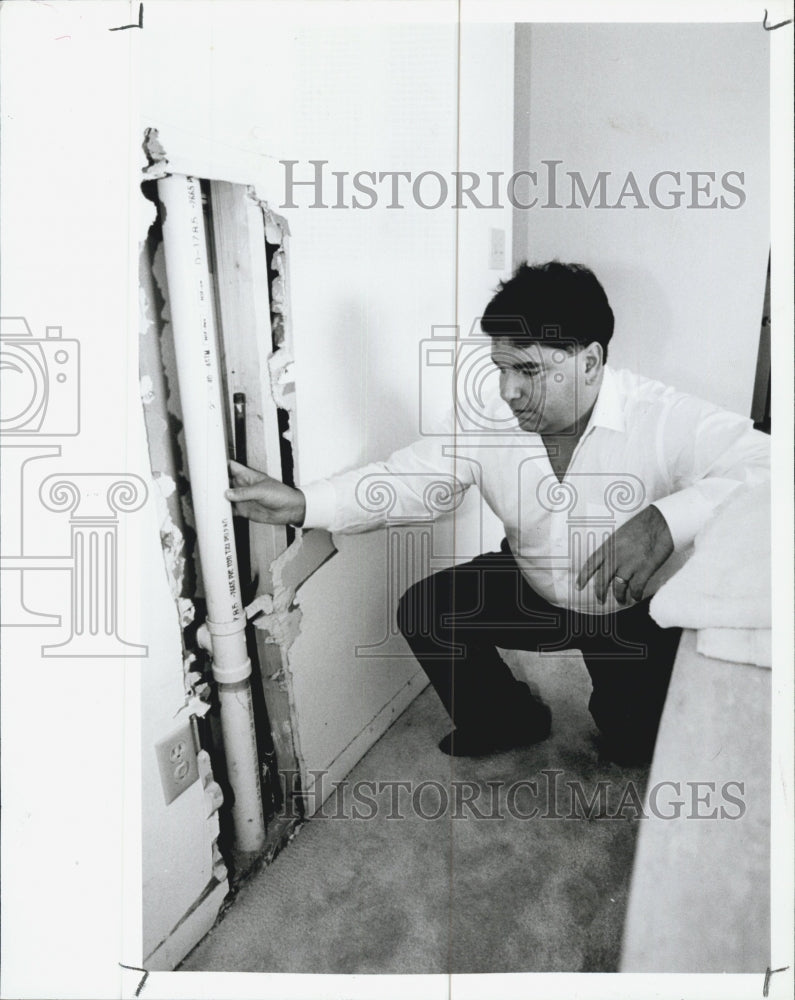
(458, 893)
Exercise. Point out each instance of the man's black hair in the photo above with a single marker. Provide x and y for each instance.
(557, 304)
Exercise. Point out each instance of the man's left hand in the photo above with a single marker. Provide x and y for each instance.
(629, 558)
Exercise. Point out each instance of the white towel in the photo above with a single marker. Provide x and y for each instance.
(726, 582)
(739, 645)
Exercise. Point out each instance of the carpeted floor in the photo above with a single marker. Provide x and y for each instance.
(433, 884)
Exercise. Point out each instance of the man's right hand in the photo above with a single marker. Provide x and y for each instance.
(261, 498)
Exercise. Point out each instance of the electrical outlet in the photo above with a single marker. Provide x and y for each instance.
(176, 757)
(497, 250)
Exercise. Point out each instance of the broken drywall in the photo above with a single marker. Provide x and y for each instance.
(251, 285)
(155, 154)
(252, 288)
(164, 450)
(188, 827)
(277, 622)
(277, 231)
(162, 417)
(299, 562)
(278, 614)
(281, 361)
(168, 443)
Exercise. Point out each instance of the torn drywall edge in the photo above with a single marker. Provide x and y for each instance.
(297, 563)
(170, 518)
(155, 154)
(280, 627)
(147, 390)
(155, 393)
(280, 363)
(276, 232)
(146, 219)
(274, 669)
(277, 228)
(311, 549)
(289, 571)
(172, 543)
(277, 625)
(282, 383)
(278, 622)
(173, 408)
(169, 149)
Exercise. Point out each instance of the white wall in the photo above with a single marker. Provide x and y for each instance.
(367, 290)
(232, 89)
(686, 285)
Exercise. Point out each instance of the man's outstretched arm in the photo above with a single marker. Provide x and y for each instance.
(259, 497)
(399, 490)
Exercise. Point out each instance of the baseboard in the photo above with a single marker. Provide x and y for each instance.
(189, 931)
(347, 759)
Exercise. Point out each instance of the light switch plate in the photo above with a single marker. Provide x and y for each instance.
(176, 757)
(497, 250)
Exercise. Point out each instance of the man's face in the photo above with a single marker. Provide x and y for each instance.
(543, 385)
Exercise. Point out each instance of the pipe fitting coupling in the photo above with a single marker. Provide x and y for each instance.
(231, 662)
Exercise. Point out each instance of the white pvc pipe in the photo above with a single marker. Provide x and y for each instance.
(191, 302)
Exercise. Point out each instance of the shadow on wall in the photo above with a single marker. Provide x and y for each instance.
(642, 339)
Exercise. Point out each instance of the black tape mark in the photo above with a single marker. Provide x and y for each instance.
(124, 27)
(768, 971)
(772, 27)
(135, 968)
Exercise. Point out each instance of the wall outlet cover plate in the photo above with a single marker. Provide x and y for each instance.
(176, 757)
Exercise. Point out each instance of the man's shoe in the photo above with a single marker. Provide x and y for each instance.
(625, 753)
(482, 742)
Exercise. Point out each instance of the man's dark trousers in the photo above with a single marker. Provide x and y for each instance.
(454, 620)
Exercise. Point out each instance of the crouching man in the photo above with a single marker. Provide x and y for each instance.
(602, 480)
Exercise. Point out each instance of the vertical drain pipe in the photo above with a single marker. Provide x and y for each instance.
(191, 303)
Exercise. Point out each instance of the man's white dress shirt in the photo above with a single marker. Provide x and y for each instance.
(644, 443)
